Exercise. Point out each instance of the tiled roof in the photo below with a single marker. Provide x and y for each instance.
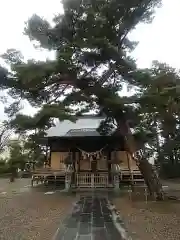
(84, 126)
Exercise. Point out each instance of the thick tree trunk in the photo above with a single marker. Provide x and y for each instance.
(13, 174)
(150, 176)
(12, 177)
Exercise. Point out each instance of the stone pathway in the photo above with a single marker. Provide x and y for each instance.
(91, 219)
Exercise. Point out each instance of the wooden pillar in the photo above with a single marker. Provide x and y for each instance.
(73, 158)
(76, 161)
(109, 166)
(50, 155)
(128, 160)
(47, 156)
(79, 161)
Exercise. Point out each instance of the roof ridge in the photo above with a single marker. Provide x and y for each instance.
(90, 116)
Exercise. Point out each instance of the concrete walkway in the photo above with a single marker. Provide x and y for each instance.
(91, 219)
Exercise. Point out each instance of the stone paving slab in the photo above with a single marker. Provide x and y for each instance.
(91, 219)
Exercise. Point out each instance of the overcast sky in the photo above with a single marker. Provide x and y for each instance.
(157, 41)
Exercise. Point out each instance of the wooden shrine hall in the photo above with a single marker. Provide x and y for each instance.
(84, 158)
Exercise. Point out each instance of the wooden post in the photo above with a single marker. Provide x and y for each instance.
(73, 156)
(109, 168)
(47, 155)
(50, 156)
(132, 182)
(55, 180)
(79, 162)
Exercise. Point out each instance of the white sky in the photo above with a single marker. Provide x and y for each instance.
(157, 41)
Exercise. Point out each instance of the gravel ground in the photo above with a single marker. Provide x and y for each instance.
(31, 214)
(149, 220)
(6, 186)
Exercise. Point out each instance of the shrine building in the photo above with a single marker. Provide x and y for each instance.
(86, 159)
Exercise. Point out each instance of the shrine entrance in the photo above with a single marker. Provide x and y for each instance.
(93, 169)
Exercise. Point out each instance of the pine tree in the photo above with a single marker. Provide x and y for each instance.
(92, 63)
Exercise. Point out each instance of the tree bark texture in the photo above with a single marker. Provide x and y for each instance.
(148, 172)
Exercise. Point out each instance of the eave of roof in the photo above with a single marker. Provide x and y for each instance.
(84, 126)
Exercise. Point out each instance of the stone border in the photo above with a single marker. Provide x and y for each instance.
(118, 222)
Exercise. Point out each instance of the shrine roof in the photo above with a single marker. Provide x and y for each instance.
(84, 126)
(82, 132)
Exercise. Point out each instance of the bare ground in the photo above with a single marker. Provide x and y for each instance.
(151, 220)
(31, 214)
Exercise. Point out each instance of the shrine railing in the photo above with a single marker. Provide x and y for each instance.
(93, 180)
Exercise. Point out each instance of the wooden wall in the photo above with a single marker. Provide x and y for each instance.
(85, 164)
(57, 160)
(102, 164)
(123, 157)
